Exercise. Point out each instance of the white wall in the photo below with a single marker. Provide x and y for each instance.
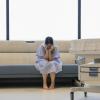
(90, 18)
(2, 19)
(36, 19)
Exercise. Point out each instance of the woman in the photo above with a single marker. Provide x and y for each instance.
(48, 61)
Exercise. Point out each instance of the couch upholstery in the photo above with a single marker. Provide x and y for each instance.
(17, 59)
(86, 47)
(89, 72)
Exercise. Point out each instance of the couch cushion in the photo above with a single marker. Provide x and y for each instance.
(29, 71)
(30, 58)
(67, 58)
(17, 58)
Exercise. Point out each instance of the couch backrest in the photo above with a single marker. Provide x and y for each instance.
(29, 46)
(89, 46)
(24, 52)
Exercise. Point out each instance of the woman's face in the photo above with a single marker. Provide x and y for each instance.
(49, 46)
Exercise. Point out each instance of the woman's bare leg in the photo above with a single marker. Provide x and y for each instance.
(52, 75)
(45, 81)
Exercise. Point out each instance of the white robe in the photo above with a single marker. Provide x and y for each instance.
(45, 66)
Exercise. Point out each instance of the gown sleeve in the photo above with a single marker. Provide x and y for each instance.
(56, 54)
(40, 53)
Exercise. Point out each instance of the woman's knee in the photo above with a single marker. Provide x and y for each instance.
(51, 62)
(44, 62)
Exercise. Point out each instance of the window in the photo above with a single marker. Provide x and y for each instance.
(90, 19)
(36, 19)
(2, 19)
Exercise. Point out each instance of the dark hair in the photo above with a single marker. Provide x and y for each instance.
(49, 40)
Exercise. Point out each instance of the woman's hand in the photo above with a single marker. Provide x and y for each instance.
(46, 53)
(51, 49)
(46, 49)
(50, 53)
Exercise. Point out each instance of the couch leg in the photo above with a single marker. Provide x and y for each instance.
(72, 95)
(85, 94)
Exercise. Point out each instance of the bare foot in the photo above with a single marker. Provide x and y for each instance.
(45, 87)
(51, 86)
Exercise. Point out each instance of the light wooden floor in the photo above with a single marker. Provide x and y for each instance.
(31, 93)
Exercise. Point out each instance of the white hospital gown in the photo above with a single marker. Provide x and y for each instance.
(45, 66)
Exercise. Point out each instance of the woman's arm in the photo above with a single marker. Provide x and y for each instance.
(50, 53)
(50, 56)
(46, 56)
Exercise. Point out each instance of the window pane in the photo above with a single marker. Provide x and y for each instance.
(2, 19)
(36, 19)
(90, 19)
